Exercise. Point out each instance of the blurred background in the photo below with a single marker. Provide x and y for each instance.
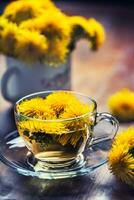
(99, 74)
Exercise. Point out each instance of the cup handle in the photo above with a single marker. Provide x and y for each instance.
(105, 133)
(4, 83)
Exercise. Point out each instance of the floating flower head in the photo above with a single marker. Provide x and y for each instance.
(35, 108)
(59, 101)
(34, 126)
(31, 46)
(47, 132)
(121, 156)
(22, 10)
(81, 115)
(76, 109)
(57, 105)
(121, 104)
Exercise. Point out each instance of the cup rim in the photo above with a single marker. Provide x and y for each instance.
(55, 120)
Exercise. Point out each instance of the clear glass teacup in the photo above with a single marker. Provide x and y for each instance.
(60, 143)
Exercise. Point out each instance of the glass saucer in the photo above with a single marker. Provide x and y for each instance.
(14, 154)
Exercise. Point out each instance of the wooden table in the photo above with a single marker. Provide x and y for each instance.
(98, 75)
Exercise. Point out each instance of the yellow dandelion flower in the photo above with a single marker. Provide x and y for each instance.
(76, 109)
(121, 163)
(97, 33)
(60, 100)
(47, 4)
(31, 46)
(20, 11)
(3, 23)
(51, 24)
(58, 130)
(57, 52)
(58, 105)
(122, 107)
(89, 29)
(9, 39)
(126, 136)
(121, 156)
(78, 26)
(35, 108)
(72, 137)
(57, 31)
(66, 106)
(35, 126)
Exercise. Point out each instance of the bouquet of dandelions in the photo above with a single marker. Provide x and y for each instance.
(38, 31)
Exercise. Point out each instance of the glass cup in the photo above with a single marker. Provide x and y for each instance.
(63, 141)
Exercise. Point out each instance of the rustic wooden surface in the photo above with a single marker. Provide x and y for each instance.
(97, 74)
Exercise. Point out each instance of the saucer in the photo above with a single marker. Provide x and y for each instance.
(15, 155)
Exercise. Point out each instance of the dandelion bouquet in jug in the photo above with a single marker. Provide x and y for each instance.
(34, 31)
(37, 39)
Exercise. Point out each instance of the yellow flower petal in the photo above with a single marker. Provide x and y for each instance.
(35, 126)
(36, 108)
(22, 10)
(31, 46)
(89, 29)
(9, 39)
